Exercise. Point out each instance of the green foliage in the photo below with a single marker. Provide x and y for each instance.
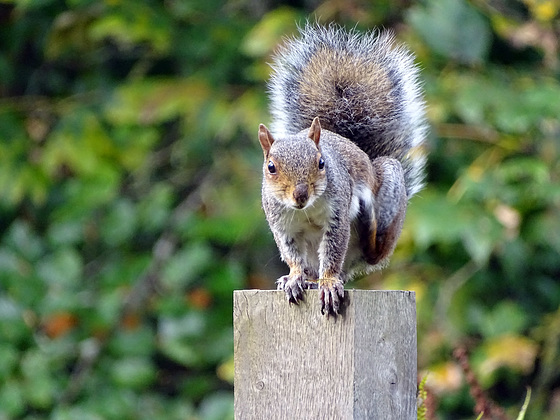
(130, 205)
(422, 411)
(523, 410)
(453, 29)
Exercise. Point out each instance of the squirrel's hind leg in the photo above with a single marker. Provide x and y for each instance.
(380, 232)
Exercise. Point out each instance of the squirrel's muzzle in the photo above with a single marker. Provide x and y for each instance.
(301, 195)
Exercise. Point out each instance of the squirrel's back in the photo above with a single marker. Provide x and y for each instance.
(361, 86)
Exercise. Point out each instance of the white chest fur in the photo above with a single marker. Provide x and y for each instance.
(309, 220)
(308, 226)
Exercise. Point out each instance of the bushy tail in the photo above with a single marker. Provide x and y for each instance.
(361, 86)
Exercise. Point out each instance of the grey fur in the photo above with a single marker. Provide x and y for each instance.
(344, 157)
(398, 129)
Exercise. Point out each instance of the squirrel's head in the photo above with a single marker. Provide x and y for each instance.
(294, 169)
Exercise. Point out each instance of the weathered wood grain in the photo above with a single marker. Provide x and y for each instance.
(291, 362)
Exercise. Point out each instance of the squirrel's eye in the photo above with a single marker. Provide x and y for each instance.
(321, 163)
(271, 167)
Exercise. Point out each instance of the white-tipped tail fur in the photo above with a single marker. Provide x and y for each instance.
(362, 86)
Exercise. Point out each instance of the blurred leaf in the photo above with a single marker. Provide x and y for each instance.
(80, 197)
(39, 384)
(107, 310)
(135, 23)
(264, 36)
(120, 223)
(155, 207)
(69, 32)
(156, 100)
(199, 385)
(481, 239)
(545, 10)
(226, 370)
(452, 28)
(134, 144)
(72, 413)
(65, 233)
(232, 213)
(12, 401)
(444, 378)
(542, 229)
(133, 372)
(113, 402)
(22, 239)
(80, 143)
(9, 357)
(178, 337)
(436, 219)
(137, 342)
(185, 266)
(217, 406)
(505, 318)
(61, 270)
(12, 326)
(514, 351)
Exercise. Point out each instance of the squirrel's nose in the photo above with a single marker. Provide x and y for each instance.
(301, 194)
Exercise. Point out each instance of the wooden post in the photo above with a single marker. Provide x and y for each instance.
(292, 363)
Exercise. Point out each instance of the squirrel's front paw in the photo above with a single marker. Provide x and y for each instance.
(293, 286)
(331, 295)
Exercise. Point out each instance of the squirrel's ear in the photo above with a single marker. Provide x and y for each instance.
(315, 131)
(265, 138)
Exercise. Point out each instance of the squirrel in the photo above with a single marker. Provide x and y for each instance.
(343, 156)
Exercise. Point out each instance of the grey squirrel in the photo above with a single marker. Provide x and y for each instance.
(343, 157)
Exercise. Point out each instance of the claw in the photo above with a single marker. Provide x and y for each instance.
(331, 291)
(293, 286)
(332, 296)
